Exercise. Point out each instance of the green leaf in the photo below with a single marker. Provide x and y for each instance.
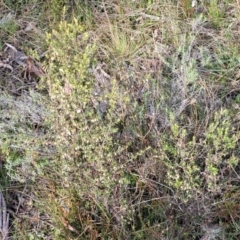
(238, 98)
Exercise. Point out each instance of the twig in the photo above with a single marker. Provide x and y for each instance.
(4, 218)
(4, 65)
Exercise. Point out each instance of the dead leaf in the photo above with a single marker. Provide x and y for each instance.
(15, 55)
(238, 75)
(68, 226)
(30, 26)
(33, 68)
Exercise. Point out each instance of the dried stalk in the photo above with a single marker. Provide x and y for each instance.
(4, 218)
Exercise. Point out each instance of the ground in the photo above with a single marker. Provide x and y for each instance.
(120, 119)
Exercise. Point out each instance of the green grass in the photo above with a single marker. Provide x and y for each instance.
(134, 131)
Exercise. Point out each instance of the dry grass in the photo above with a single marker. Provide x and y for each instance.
(134, 131)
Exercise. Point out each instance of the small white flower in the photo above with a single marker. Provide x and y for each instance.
(194, 3)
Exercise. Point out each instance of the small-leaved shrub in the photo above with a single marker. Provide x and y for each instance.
(87, 154)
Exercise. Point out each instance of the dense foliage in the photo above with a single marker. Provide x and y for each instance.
(122, 120)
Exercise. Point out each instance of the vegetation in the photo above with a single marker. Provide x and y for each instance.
(120, 119)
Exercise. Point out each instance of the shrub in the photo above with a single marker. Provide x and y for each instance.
(87, 154)
(21, 138)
